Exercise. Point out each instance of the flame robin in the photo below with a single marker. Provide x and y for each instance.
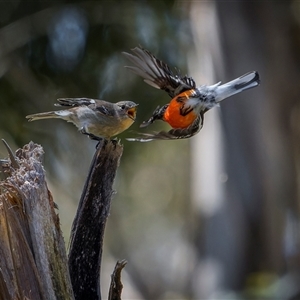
(96, 118)
(185, 112)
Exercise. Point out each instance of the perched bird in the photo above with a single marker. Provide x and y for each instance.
(96, 118)
(185, 112)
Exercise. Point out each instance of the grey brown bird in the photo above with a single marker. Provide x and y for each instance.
(96, 118)
(185, 112)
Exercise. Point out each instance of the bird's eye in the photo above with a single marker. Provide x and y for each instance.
(123, 106)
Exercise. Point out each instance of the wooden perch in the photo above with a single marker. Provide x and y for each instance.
(33, 261)
(89, 224)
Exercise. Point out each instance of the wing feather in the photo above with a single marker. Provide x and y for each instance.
(157, 73)
(73, 102)
(173, 134)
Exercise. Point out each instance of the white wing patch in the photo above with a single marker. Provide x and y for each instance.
(63, 113)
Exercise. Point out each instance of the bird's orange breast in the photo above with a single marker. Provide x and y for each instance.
(173, 114)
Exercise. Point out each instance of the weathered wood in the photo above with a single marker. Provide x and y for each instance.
(89, 224)
(33, 260)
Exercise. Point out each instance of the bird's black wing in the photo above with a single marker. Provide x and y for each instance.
(173, 134)
(105, 108)
(157, 73)
(73, 102)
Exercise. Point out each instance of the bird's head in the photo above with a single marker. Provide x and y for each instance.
(129, 108)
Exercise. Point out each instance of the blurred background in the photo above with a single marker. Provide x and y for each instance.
(212, 217)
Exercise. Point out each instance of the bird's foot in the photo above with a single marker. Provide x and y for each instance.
(157, 115)
(116, 141)
(90, 135)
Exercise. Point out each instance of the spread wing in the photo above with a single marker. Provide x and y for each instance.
(173, 134)
(157, 73)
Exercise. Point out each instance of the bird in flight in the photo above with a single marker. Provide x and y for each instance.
(185, 112)
(96, 118)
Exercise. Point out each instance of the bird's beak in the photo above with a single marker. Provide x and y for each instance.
(132, 113)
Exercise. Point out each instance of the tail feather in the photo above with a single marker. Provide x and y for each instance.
(60, 114)
(238, 85)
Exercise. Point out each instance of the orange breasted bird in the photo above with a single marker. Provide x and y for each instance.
(185, 112)
(96, 118)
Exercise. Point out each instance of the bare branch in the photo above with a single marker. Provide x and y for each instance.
(89, 224)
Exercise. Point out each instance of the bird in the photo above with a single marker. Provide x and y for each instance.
(189, 102)
(96, 118)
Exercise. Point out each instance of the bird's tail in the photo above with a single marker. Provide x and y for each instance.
(60, 114)
(236, 86)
